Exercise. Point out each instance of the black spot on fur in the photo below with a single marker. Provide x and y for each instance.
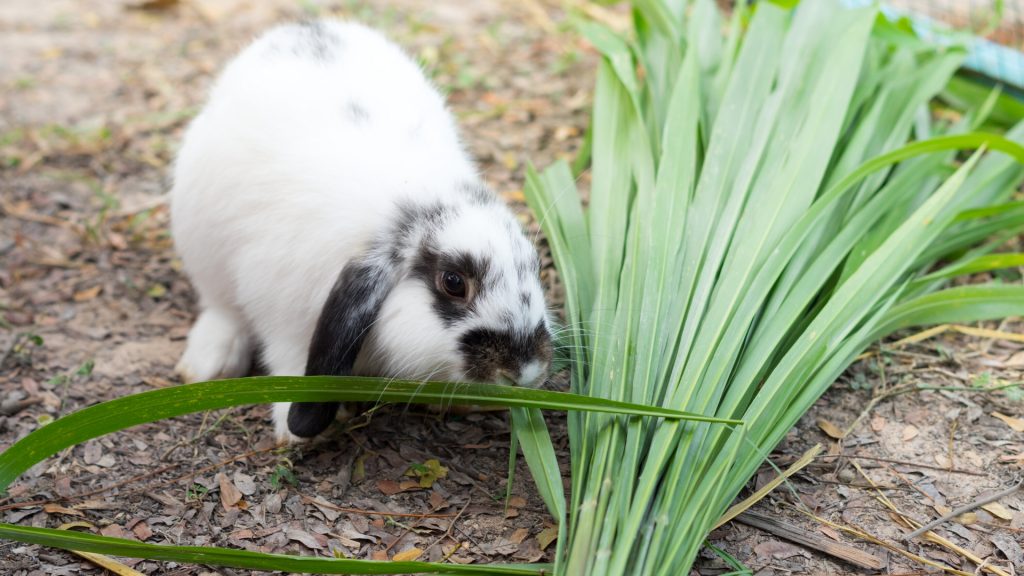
(357, 113)
(478, 193)
(416, 219)
(316, 41)
(488, 352)
(526, 270)
(524, 297)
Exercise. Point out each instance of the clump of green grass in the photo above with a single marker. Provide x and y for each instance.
(763, 207)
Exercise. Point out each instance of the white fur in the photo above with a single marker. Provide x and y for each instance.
(291, 170)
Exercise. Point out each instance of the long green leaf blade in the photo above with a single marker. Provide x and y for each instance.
(155, 405)
(69, 540)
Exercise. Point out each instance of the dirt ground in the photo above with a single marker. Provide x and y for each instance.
(94, 95)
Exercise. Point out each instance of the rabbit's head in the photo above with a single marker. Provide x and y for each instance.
(450, 291)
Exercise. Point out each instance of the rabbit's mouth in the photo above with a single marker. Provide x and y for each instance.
(507, 357)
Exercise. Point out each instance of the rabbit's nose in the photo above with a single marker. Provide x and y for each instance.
(530, 373)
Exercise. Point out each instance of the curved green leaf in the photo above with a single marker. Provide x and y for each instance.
(153, 405)
(529, 427)
(69, 540)
(961, 304)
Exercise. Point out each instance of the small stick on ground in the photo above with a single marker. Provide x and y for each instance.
(451, 526)
(904, 519)
(787, 531)
(965, 509)
(315, 502)
(904, 463)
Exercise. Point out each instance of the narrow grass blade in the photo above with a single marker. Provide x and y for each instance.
(532, 432)
(969, 303)
(244, 559)
(177, 400)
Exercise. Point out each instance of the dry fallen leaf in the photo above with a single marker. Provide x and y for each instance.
(142, 531)
(388, 487)
(877, 424)
(547, 536)
(78, 524)
(967, 518)
(229, 495)
(1017, 424)
(411, 485)
(910, 432)
(998, 510)
(775, 549)
(830, 533)
(829, 428)
(87, 294)
(53, 508)
(519, 535)
(437, 501)
(379, 555)
(305, 538)
(407, 555)
(517, 502)
(1015, 361)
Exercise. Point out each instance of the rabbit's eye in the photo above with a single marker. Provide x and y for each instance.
(453, 284)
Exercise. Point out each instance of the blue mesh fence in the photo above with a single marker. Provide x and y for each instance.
(993, 30)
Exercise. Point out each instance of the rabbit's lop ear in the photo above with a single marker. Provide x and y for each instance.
(346, 318)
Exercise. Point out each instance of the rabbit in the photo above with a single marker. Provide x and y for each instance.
(326, 212)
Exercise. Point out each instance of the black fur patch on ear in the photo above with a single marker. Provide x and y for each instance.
(307, 419)
(346, 318)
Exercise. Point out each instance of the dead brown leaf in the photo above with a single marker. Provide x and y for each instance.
(407, 555)
(774, 549)
(829, 428)
(547, 536)
(389, 487)
(910, 432)
(379, 555)
(998, 510)
(829, 532)
(142, 531)
(87, 294)
(878, 424)
(519, 535)
(229, 495)
(1015, 361)
(53, 508)
(305, 538)
(437, 501)
(1017, 424)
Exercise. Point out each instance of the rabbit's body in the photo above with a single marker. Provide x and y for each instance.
(323, 147)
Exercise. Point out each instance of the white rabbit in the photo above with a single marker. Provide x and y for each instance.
(326, 212)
